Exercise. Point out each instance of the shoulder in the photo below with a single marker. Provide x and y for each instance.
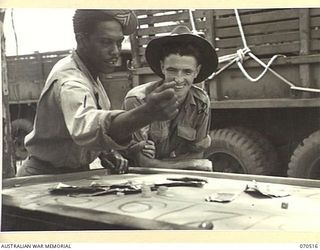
(139, 91)
(67, 71)
(200, 96)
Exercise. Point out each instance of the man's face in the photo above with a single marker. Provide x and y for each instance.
(181, 69)
(104, 45)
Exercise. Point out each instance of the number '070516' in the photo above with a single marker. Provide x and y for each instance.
(308, 246)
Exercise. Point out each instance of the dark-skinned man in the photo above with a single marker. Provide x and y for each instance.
(74, 124)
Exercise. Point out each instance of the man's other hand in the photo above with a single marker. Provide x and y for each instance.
(115, 162)
(147, 148)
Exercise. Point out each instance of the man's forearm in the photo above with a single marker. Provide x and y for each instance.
(173, 163)
(188, 156)
(128, 122)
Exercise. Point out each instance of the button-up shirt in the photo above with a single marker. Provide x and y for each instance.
(186, 133)
(73, 117)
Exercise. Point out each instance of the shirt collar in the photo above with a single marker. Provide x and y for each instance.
(82, 66)
(189, 99)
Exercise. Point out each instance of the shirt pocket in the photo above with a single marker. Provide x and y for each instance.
(187, 133)
(159, 131)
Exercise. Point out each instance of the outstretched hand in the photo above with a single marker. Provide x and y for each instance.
(161, 101)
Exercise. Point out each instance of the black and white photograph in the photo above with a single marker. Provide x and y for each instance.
(160, 119)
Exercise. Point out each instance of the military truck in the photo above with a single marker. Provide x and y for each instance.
(267, 126)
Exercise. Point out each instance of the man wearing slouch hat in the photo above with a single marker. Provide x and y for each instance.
(184, 59)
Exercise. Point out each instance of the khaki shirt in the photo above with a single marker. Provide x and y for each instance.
(73, 118)
(187, 133)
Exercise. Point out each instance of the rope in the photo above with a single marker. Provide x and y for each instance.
(193, 26)
(266, 68)
(246, 50)
(240, 57)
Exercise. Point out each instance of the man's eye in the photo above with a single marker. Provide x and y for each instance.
(106, 42)
(170, 70)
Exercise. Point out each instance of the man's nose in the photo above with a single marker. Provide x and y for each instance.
(115, 51)
(179, 78)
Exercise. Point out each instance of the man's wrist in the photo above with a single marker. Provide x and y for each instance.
(147, 113)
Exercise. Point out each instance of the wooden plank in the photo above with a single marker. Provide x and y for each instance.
(259, 28)
(199, 25)
(165, 18)
(315, 22)
(49, 54)
(315, 45)
(198, 14)
(289, 48)
(270, 16)
(314, 11)
(256, 40)
(156, 30)
(210, 27)
(315, 34)
(152, 12)
(304, 69)
(280, 61)
(266, 103)
(230, 12)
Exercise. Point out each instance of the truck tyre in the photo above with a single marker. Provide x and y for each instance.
(269, 151)
(20, 128)
(234, 151)
(305, 160)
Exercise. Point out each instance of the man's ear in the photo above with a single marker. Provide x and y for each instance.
(198, 70)
(82, 40)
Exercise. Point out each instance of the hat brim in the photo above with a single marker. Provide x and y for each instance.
(209, 58)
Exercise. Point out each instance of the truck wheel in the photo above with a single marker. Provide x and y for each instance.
(233, 151)
(20, 128)
(270, 153)
(305, 160)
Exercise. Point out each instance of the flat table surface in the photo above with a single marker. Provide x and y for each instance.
(180, 207)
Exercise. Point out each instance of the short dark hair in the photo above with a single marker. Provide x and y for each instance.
(85, 21)
(183, 49)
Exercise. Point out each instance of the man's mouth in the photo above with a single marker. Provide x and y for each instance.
(111, 61)
(179, 86)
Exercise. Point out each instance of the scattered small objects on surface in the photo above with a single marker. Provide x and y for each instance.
(206, 225)
(162, 190)
(146, 191)
(95, 189)
(221, 197)
(94, 177)
(284, 205)
(263, 192)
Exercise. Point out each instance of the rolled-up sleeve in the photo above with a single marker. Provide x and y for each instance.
(88, 126)
(203, 139)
